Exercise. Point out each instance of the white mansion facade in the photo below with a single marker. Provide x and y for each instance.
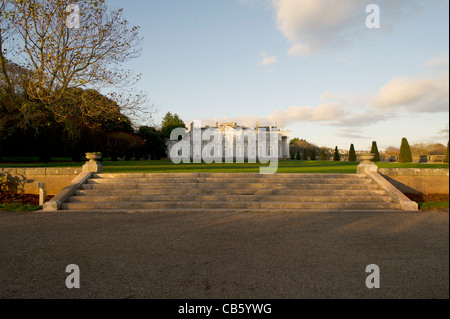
(249, 145)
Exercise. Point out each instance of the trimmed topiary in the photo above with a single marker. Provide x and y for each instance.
(352, 154)
(313, 155)
(323, 155)
(305, 155)
(375, 151)
(336, 156)
(405, 152)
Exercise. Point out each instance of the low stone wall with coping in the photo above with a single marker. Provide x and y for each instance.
(418, 180)
(407, 180)
(26, 179)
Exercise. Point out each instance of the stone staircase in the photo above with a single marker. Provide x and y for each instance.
(229, 192)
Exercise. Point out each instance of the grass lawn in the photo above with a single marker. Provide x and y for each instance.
(19, 207)
(25, 164)
(410, 165)
(166, 166)
(433, 205)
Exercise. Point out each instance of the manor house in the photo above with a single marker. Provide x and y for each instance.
(225, 128)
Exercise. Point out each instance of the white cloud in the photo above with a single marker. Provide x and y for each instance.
(268, 60)
(419, 94)
(326, 113)
(311, 25)
(314, 25)
(400, 97)
(364, 118)
(302, 50)
(438, 62)
(351, 133)
(323, 113)
(334, 114)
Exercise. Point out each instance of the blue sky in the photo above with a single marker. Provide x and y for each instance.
(311, 66)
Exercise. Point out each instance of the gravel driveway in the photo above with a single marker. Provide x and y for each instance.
(224, 255)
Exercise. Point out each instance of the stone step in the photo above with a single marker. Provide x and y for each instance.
(226, 175)
(124, 186)
(233, 205)
(228, 210)
(229, 191)
(229, 198)
(236, 191)
(285, 181)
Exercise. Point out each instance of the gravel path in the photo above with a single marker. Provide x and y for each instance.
(224, 255)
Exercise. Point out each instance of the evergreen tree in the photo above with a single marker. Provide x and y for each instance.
(305, 155)
(405, 152)
(336, 156)
(171, 122)
(352, 154)
(155, 145)
(297, 157)
(313, 155)
(375, 151)
(323, 155)
(292, 156)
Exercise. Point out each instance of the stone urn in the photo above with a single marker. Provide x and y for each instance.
(367, 157)
(367, 166)
(93, 157)
(93, 165)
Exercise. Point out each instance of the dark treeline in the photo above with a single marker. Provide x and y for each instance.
(29, 129)
(55, 140)
(39, 135)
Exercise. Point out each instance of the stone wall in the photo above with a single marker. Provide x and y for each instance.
(26, 179)
(418, 181)
(407, 180)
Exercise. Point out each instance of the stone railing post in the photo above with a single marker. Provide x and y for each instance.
(367, 166)
(371, 170)
(42, 192)
(93, 165)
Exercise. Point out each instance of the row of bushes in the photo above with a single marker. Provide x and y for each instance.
(324, 155)
(405, 155)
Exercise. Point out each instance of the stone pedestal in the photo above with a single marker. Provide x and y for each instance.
(93, 165)
(367, 166)
(42, 193)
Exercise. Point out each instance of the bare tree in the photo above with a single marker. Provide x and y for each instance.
(62, 56)
(11, 75)
(392, 151)
(6, 32)
(444, 131)
(428, 149)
